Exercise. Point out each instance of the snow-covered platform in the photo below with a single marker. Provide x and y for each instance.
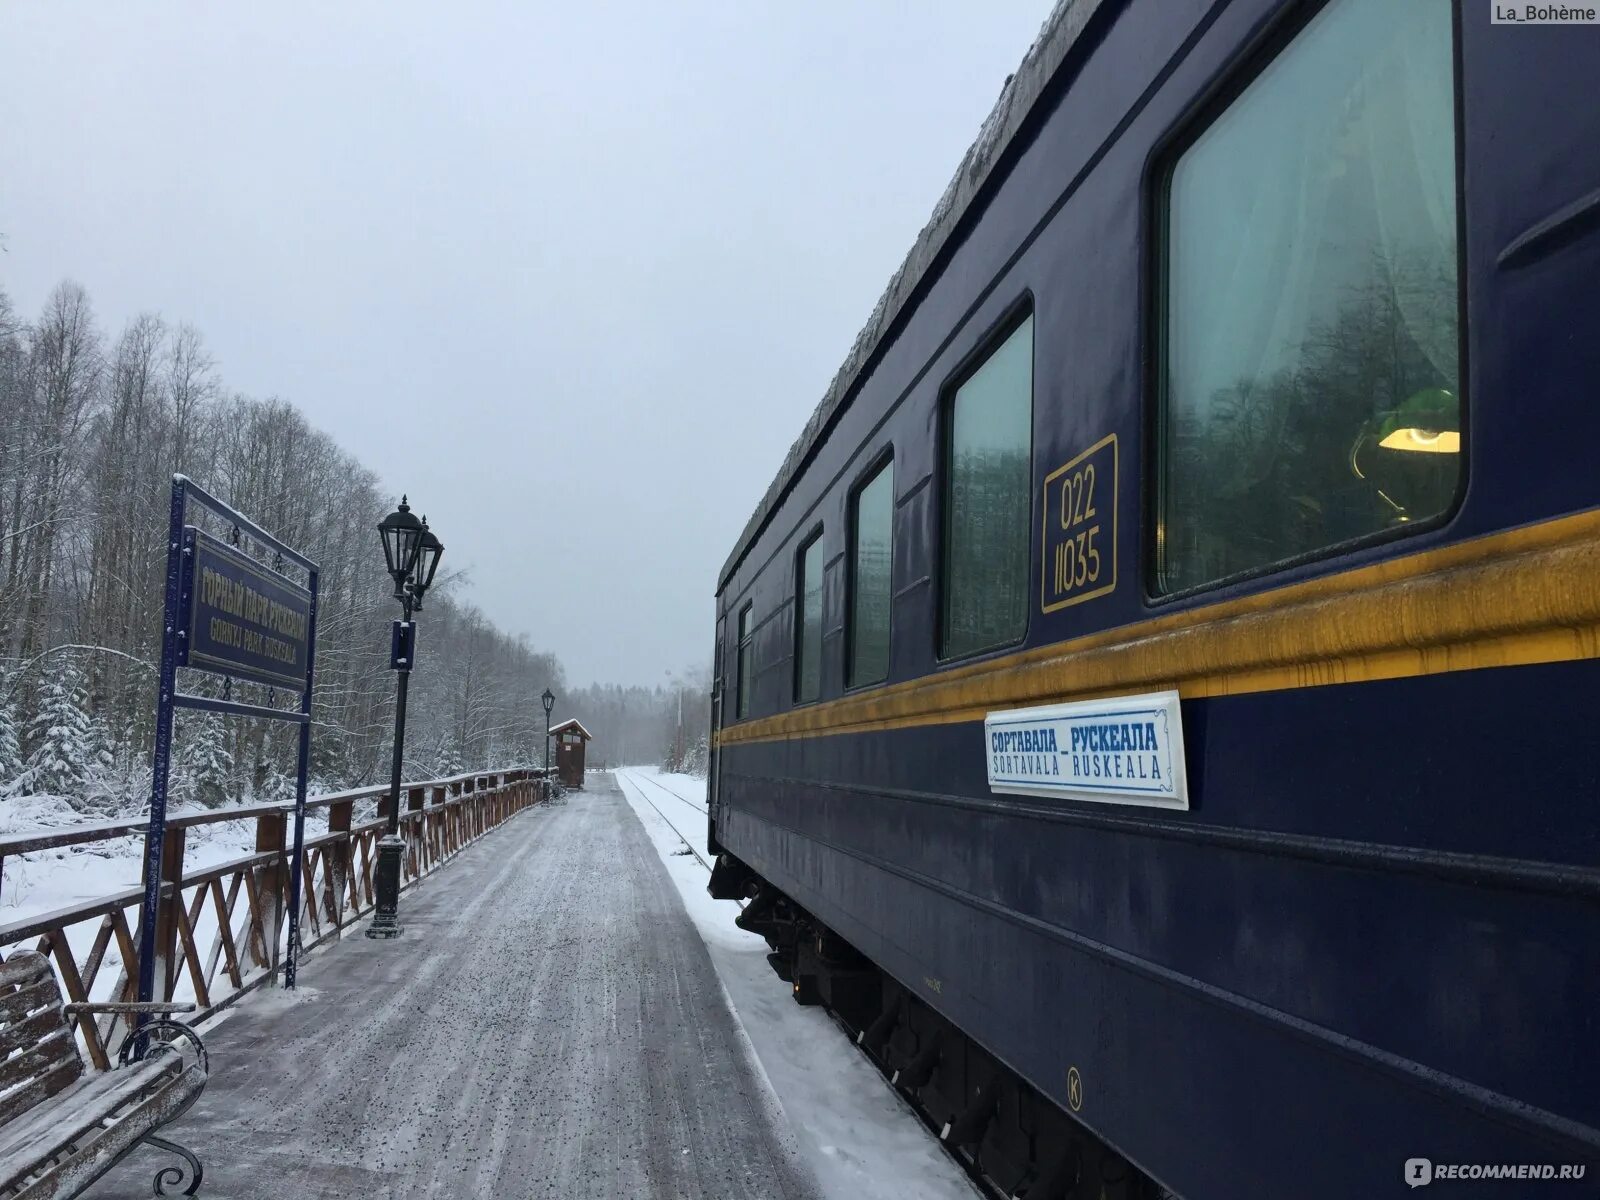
(550, 1024)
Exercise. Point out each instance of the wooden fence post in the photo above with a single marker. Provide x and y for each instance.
(272, 882)
(441, 796)
(337, 882)
(413, 829)
(167, 906)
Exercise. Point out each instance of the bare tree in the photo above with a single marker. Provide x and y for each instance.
(89, 439)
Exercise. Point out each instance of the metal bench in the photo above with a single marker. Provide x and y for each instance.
(63, 1126)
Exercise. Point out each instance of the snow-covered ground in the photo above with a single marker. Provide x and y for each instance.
(863, 1140)
(860, 1137)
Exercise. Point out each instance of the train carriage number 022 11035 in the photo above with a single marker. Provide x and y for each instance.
(1080, 528)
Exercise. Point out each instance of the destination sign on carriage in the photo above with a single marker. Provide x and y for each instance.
(240, 618)
(1122, 750)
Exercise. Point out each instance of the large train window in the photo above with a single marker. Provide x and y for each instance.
(746, 666)
(1311, 380)
(987, 501)
(871, 562)
(808, 621)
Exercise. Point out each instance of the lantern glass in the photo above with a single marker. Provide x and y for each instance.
(402, 538)
(430, 550)
(549, 699)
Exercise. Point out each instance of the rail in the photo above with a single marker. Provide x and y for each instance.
(237, 909)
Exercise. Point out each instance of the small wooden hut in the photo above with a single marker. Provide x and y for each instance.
(571, 739)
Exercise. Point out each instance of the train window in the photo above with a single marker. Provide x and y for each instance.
(808, 622)
(1311, 382)
(871, 531)
(987, 494)
(746, 671)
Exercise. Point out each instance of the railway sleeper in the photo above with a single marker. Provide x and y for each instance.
(1014, 1141)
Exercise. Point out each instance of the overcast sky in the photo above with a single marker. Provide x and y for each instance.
(572, 275)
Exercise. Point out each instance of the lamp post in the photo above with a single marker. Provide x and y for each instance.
(549, 702)
(411, 553)
(677, 737)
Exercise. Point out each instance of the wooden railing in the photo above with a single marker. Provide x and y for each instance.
(237, 910)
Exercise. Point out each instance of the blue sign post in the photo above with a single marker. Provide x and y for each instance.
(228, 615)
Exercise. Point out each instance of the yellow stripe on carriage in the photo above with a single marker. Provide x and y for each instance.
(1523, 596)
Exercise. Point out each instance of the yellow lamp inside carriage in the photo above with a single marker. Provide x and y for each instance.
(1427, 423)
(1403, 470)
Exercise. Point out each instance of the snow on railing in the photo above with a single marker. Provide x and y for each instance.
(236, 909)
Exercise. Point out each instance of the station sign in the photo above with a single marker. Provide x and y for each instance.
(1119, 750)
(240, 618)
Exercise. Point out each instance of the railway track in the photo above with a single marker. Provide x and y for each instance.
(673, 792)
(638, 781)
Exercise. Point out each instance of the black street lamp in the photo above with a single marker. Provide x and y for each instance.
(549, 701)
(412, 554)
(402, 539)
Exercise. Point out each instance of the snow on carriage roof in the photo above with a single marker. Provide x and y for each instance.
(1059, 33)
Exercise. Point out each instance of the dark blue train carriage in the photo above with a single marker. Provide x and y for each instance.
(1157, 700)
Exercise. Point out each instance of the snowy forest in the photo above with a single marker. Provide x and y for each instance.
(667, 724)
(92, 428)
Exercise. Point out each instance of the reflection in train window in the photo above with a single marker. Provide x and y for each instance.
(1311, 382)
(871, 522)
(808, 622)
(987, 495)
(746, 671)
